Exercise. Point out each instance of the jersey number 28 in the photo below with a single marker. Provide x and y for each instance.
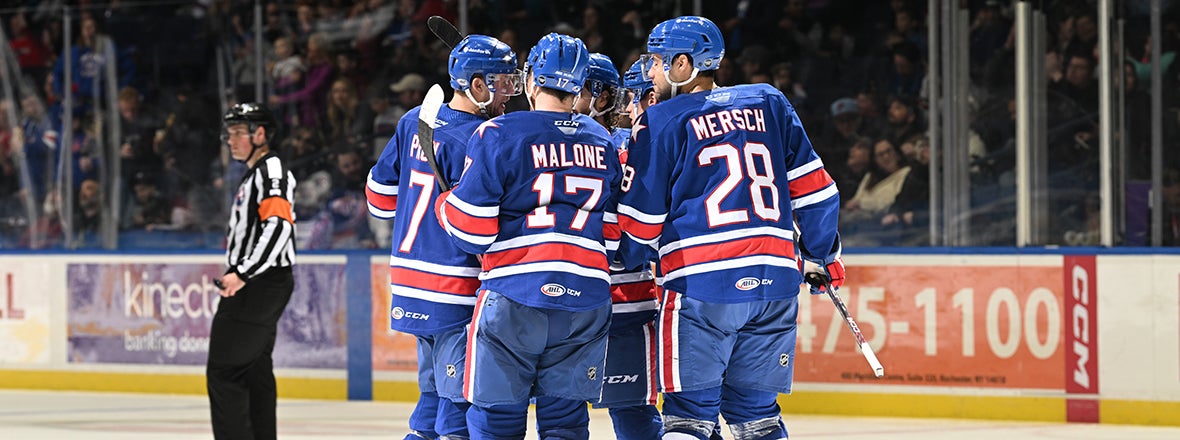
(752, 153)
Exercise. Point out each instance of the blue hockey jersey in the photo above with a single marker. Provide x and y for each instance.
(537, 200)
(621, 138)
(632, 289)
(719, 176)
(433, 282)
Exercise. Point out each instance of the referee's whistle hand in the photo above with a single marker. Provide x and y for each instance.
(232, 284)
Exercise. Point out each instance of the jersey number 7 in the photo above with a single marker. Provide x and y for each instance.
(752, 153)
(426, 182)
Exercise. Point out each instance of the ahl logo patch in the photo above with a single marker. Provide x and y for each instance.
(747, 283)
(397, 313)
(554, 290)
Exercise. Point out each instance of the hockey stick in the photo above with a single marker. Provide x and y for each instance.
(427, 114)
(444, 30)
(819, 280)
(450, 36)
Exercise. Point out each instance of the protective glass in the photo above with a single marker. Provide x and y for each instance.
(228, 133)
(646, 61)
(623, 96)
(512, 84)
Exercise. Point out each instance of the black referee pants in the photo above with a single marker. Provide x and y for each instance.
(240, 373)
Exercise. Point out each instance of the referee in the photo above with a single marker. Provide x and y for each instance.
(257, 283)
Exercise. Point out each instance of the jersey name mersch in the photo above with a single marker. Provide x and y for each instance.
(558, 155)
(725, 121)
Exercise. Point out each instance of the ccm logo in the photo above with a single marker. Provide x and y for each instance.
(399, 313)
(1080, 317)
(553, 290)
(626, 378)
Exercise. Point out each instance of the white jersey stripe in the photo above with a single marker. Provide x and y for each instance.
(548, 237)
(426, 295)
(630, 277)
(802, 170)
(651, 219)
(381, 213)
(733, 263)
(785, 234)
(437, 269)
(380, 188)
(480, 240)
(653, 242)
(547, 266)
(472, 210)
(642, 306)
(814, 197)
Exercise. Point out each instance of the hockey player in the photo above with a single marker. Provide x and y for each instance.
(629, 386)
(638, 93)
(723, 173)
(600, 90)
(533, 202)
(434, 282)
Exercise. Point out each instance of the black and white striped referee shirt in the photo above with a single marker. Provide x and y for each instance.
(261, 232)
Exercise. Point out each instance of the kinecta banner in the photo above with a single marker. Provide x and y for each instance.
(161, 313)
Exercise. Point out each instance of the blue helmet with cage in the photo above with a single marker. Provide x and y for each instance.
(636, 80)
(697, 37)
(602, 73)
(479, 55)
(559, 62)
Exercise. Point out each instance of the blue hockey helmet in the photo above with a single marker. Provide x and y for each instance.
(694, 36)
(602, 74)
(636, 80)
(482, 55)
(559, 62)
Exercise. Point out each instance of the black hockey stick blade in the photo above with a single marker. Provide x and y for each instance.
(426, 121)
(444, 30)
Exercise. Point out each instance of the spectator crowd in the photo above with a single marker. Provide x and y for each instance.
(340, 74)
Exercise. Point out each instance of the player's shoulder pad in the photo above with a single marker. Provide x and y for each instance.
(592, 126)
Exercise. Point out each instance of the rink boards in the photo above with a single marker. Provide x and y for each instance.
(1085, 336)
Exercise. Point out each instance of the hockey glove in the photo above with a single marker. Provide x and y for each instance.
(832, 271)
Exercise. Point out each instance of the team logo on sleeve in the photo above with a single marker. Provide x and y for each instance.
(747, 283)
